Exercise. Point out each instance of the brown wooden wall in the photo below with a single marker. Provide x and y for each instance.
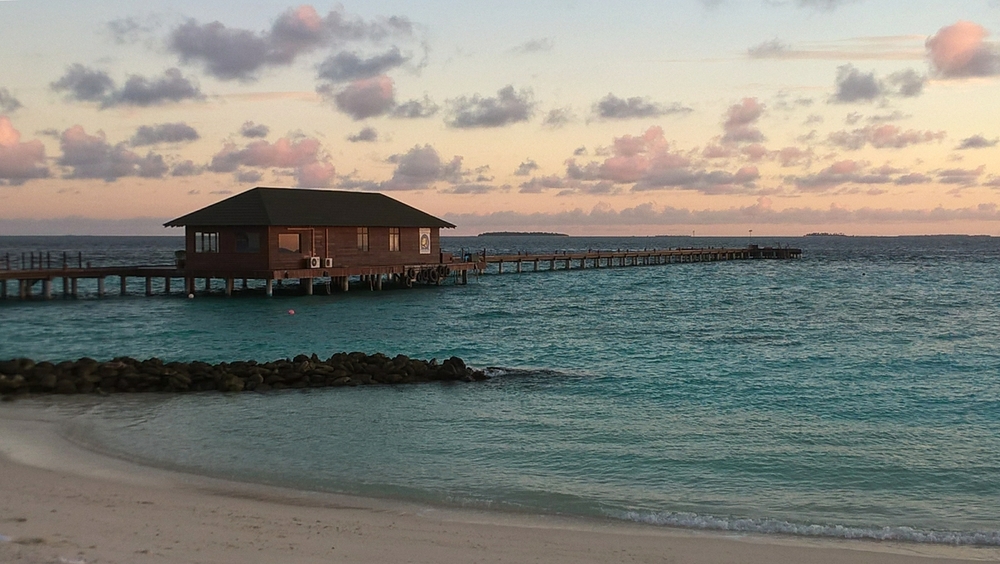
(227, 259)
(340, 243)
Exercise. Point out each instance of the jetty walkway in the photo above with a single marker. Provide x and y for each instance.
(44, 274)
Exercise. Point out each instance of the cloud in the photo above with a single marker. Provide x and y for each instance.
(315, 175)
(852, 85)
(526, 168)
(474, 189)
(83, 84)
(960, 176)
(886, 136)
(364, 98)
(772, 49)
(647, 162)
(506, 108)
(557, 118)
(253, 130)
(240, 54)
(540, 184)
(740, 123)
(248, 176)
(19, 162)
(366, 135)
(91, 156)
(8, 103)
(415, 109)
(185, 168)
(421, 166)
(88, 85)
(141, 91)
(130, 30)
(163, 133)
(303, 157)
(541, 45)
(347, 66)
(907, 82)
(823, 4)
(960, 50)
(613, 107)
(977, 142)
(840, 173)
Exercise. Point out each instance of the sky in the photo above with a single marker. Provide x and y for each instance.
(713, 117)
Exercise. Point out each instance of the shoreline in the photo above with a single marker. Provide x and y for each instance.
(59, 500)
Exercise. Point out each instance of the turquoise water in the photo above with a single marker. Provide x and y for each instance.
(852, 393)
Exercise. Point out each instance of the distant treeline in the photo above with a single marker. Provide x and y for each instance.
(521, 234)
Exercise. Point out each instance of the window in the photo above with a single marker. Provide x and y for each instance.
(205, 242)
(247, 242)
(393, 238)
(362, 238)
(289, 243)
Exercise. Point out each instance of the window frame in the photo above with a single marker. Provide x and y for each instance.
(284, 250)
(206, 242)
(363, 239)
(252, 242)
(393, 239)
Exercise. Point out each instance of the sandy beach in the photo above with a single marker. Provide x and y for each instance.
(61, 503)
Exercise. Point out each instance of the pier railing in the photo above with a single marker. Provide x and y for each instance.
(42, 260)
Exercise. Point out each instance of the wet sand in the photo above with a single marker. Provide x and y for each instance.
(61, 503)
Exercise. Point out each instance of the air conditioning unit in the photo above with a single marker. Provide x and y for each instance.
(328, 263)
(314, 262)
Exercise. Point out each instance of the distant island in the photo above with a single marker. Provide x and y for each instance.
(521, 234)
(825, 234)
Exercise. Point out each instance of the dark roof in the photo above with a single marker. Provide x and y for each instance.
(297, 207)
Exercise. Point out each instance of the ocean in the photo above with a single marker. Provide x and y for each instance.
(852, 393)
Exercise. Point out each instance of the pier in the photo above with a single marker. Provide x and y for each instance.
(613, 259)
(37, 276)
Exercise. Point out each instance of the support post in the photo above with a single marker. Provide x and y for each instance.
(73, 288)
(500, 267)
(269, 287)
(47, 288)
(100, 286)
(208, 284)
(122, 280)
(244, 284)
(519, 267)
(65, 285)
(345, 283)
(149, 286)
(166, 285)
(378, 282)
(22, 289)
(229, 287)
(465, 277)
(309, 285)
(3, 289)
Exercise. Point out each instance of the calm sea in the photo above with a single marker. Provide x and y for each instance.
(852, 393)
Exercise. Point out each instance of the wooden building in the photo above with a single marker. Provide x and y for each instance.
(277, 233)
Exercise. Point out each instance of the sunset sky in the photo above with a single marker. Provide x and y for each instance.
(871, 117)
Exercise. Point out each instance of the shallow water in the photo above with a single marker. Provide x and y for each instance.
(854, 392)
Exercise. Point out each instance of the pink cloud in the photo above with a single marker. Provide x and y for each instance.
(303, 156)
(792, 156)
(19, 161)
(740, 119)
(886, 136)
(366, 98)
(960, 50)
(315, 175)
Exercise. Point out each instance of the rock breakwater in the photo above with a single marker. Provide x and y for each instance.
(86, 375)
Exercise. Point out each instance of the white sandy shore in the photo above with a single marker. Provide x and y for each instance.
(60, 503)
